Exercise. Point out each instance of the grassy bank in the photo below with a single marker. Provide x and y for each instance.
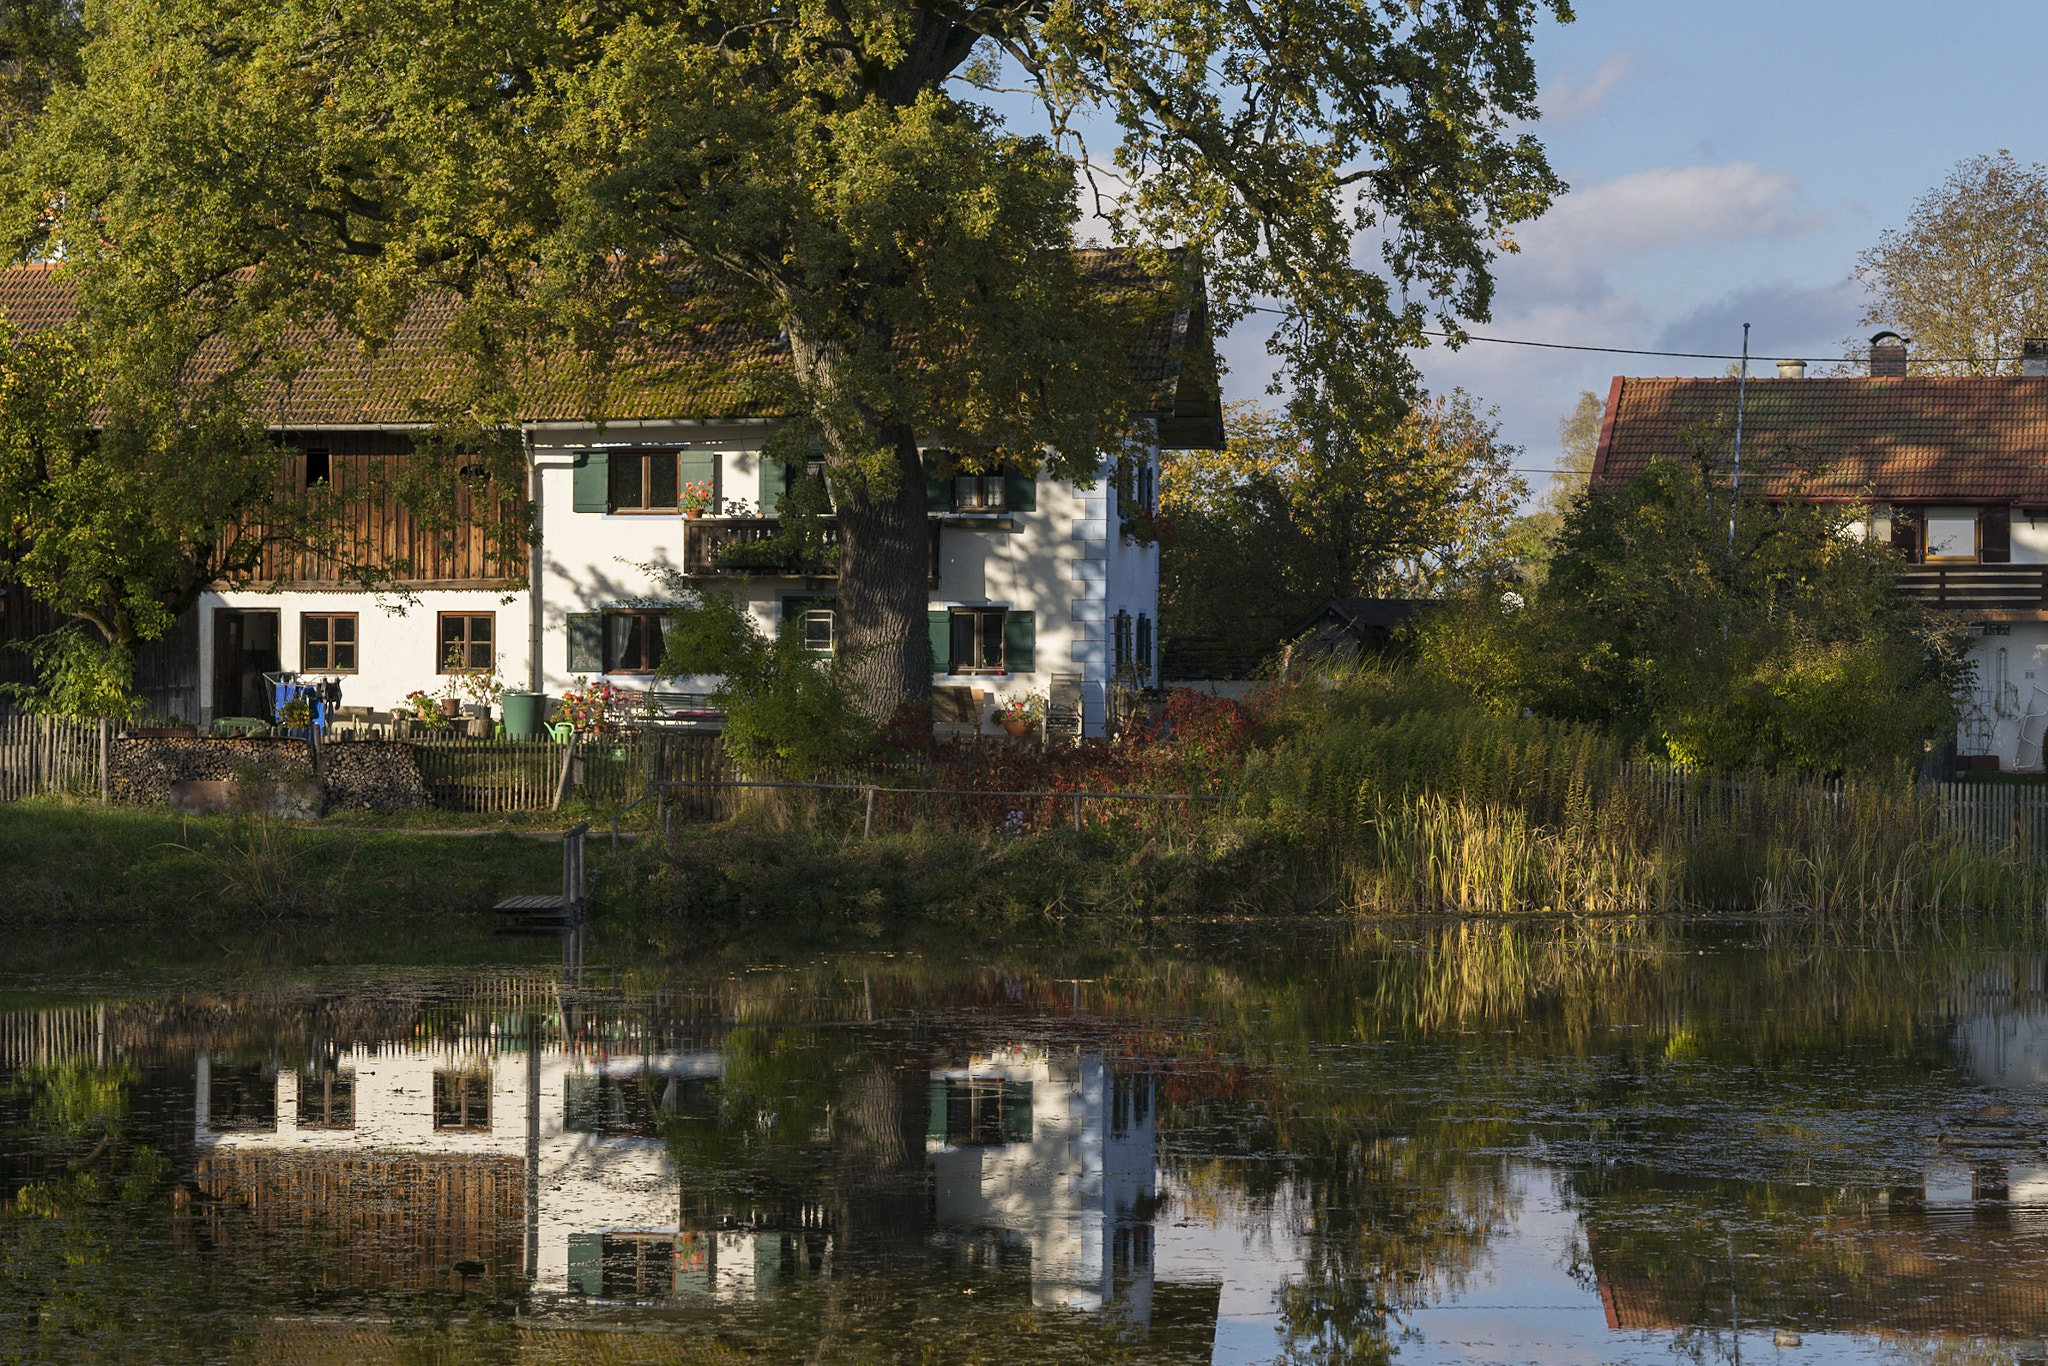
(69, 863)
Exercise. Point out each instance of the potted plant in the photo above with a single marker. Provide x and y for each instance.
(296, 714)
(696, 497)
(425, 709)
(587, 708)
(1020, 715)
(483, 690)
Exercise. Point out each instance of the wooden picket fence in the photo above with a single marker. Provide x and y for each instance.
(524, 775)
(43, 754)
(1996, 816)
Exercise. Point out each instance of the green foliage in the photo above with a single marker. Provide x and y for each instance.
(788, 712)
(226, 173)
(1792, 651)
(1293, 513)
(76, 676)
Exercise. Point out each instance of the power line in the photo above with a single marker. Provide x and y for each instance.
(1676, 355)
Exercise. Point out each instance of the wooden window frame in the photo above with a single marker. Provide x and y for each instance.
(457, 1113)
(641, 462)
(330, 644)
(469, 643)
(972, 493)
(1001, 616)
(647, 669)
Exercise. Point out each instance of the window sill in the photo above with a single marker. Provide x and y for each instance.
(994, 521)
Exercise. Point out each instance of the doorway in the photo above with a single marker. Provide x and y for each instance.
(245, 647)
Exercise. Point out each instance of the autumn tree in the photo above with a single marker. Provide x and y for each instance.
(1967, 277)
(1289, 515)
(833, 174)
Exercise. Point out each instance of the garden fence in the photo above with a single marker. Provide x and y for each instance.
(525, 775)
(42, 754)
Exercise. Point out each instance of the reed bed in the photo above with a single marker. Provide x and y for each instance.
(1433, 811)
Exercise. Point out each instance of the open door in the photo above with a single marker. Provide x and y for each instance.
(245, 647)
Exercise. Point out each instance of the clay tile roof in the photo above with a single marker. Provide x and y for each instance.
(709, 370)
(1887, 440)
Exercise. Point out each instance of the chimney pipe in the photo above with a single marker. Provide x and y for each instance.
(2034, 357)
(1791, 369)
(1887, 356)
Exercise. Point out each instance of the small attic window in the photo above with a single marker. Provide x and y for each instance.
(318, 466)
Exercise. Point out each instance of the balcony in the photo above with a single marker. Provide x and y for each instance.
(743, 547)
(1978, 587)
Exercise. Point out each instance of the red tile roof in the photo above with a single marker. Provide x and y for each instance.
(1887, 440)
(711, 370)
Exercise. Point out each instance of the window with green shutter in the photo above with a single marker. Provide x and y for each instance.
(700, 467)
(1020, 642)
(592, 482)
(938, 486)
(940, 624)
(586, 643)
(1021, 490)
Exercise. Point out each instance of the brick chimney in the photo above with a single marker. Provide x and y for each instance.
(2034, 357)
(1887, 356)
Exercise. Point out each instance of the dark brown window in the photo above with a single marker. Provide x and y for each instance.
(980, 493)
(1994, 535)
(468, 642)
(462, 1100)
(633, 642)
(319, 464)
(977, 640)
(327, 1098)
(327, 643)
(644, 481)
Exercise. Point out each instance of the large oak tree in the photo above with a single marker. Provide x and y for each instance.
(584, 173)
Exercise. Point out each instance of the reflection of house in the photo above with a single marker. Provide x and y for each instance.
(1058, 1151)
(427, 1166)
(1961, 1253)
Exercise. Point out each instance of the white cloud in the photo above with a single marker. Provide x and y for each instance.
(1574, 95)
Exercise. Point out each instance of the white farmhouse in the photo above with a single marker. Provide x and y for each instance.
(1037, 585)
(1951, 472)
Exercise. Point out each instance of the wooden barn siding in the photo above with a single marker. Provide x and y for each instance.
(387, 535)
(166, 670)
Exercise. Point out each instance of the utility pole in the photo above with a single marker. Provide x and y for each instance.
(1741, 397)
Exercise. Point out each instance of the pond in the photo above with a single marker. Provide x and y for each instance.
(1445, 1142)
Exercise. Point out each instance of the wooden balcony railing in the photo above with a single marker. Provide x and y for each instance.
(1978, 587)
(741, 546)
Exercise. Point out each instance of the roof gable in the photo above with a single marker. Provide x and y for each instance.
(1964, 440)
(713, 368)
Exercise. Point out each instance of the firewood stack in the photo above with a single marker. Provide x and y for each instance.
(361, 776)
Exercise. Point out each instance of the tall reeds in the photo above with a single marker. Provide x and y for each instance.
(1461, 811)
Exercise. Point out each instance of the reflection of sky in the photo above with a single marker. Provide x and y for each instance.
(1520, 1303)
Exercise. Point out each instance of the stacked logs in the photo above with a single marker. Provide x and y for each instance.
(361, 776)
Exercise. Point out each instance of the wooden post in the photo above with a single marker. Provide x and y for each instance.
(106, 756)
(868, 830)
(568, 766)
(1077, 813)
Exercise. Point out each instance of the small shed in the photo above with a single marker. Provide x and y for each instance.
(1368, 625)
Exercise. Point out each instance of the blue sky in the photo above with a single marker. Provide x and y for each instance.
(1727, 163)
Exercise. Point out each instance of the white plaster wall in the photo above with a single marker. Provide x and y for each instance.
(397, 637)
(2009, 720)
(2029, 538)
(1063, 562)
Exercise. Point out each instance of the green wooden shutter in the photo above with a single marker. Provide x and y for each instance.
(593, 489)
(1016, 1112)
(586, 1263)
(938, 492)
(697, 467)
(1020, 490)
(586, 643)
(935, 1121)
(939, 624)
(1020, 642)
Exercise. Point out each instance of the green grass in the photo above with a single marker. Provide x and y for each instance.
(72, 863)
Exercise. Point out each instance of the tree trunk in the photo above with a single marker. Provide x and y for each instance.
(884, 540)
(885, 553)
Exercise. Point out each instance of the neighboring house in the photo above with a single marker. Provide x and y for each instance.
(1035, 585)
(1950, 472)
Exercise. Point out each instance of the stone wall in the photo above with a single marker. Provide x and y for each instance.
(363, 775)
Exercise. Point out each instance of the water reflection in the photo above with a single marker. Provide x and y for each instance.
(1451, 1146)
